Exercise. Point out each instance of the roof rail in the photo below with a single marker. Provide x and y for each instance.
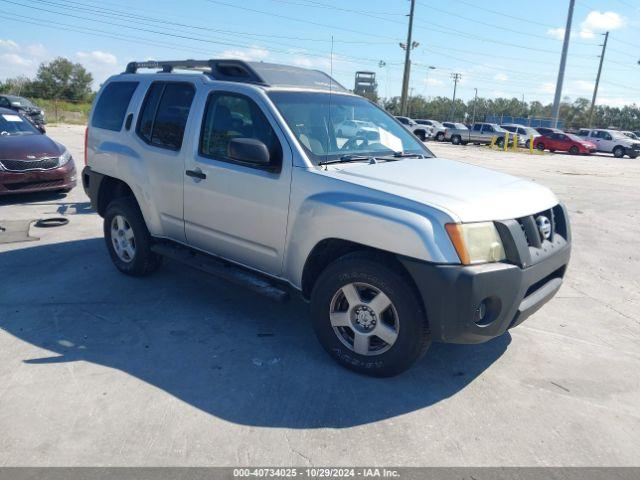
(228, 70)
(259, 73)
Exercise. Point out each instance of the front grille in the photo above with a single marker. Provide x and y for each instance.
(532, 232)
(26, 165)
(29, 185)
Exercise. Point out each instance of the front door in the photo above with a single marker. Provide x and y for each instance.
(236, 209)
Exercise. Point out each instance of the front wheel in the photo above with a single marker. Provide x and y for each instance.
(500, 142)
(440, 137)
(540, 147)
(368, 316)
(574, 150)
(618, 152)
(128, 240)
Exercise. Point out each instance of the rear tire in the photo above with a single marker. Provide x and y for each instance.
(540, 147)
(440, 137)
(618, 152)
(128, 239)
(360, 296)
(456, 140)
(500, 142)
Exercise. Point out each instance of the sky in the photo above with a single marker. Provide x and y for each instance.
(503, 48)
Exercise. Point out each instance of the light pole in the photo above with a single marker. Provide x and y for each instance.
(563, 62)
(456, 78)
(475, 101)
(410, 45)
(595, 89)
(426, 78)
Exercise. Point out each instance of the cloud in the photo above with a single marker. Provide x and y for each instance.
(598, 22)
(548, 87)
(253, 53)
(614, 102)
(583, 85)
(97, 57)
(501, 77)
(8, 45)
(433, 82)
(15, 60)
(557, 33)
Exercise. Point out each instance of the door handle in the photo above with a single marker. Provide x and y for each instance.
(197, 173)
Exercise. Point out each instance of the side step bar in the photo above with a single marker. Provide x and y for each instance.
(225, 270)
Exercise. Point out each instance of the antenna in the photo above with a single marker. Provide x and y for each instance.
(330, 123)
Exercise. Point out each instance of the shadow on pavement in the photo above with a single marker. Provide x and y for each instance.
(219, 348)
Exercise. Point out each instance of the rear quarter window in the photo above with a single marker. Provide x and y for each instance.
(112, 105)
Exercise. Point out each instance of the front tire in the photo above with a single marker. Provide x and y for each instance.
(368, 316)
(128, 240)
(574, 150)
(540, 147)
(440, 137)
(618, 152)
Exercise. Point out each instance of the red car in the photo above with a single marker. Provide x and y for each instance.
(29, 160)
(564, 142)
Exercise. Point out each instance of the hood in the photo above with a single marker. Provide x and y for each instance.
(466, 192)
(28, 147)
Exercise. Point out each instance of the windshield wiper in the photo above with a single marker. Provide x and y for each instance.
(406, 155)
(347, 159)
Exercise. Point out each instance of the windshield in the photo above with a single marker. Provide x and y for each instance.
(321, 131)
(12, 124)
(19, 101)
(618, 135)
(573, 137)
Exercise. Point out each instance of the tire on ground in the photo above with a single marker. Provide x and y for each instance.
(144, 261)
(413, 337)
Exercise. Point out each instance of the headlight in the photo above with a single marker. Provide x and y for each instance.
(64, 158)
(476, 242)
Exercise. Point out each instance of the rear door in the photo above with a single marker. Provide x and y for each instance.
(160, 132)
(476, 132)
(233, 209)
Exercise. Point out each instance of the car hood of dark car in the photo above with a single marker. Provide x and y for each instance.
(28, 147)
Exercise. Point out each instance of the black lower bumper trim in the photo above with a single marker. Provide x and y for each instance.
(473, 304)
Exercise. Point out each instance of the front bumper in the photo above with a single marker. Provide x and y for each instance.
(454, 295)
(61, 178)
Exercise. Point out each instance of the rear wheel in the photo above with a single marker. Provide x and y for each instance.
(128, 240)
(500, 142)
(618, 152)
(368, 316)
(540, 146)
(456, 140)
(421, 135)
(440, 137)
(633, 156)
(574, 150)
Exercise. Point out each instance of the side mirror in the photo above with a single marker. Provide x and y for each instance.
(249, 150)
(42, 129)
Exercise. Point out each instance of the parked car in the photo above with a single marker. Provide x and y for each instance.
(29, 160)
(351, 128)
(631, 135)
(393, 247)
(524, 133)
(564, 142)
(436, 128)
(421, 131)
(612, 141)
(548, 130)
(480, 133)
(23, 106)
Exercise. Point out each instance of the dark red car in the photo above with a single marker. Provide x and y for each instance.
(29, 160)
(564, 142)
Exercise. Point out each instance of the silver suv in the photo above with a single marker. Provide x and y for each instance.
(237, 168)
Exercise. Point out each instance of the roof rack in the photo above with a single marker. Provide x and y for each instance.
(260, 73)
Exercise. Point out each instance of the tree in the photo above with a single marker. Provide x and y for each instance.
(62, 80)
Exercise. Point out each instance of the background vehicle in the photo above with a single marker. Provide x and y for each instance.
(437, 129)
(22, 105)
(351, 128)
(480, 133)
(524, 133)
(631, 135)
(612, 141)
(548, 130)
(421, 131)
(564, 142)
(29, 160)
(393, 247)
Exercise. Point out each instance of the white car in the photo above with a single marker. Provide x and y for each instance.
(351, 128)
(612, 141)
(421, 131)
(525, 134)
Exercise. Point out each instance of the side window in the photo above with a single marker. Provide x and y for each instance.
(164, 114)
(487, 128)
(522, 131)
(112, 105)
(4, 102)
(607, 136)
(477, 127)
(230, 116)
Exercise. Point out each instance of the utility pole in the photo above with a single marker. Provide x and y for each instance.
(475, 101)
(595, 89)
(563, 63)
(407, 61)
(456, 78)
